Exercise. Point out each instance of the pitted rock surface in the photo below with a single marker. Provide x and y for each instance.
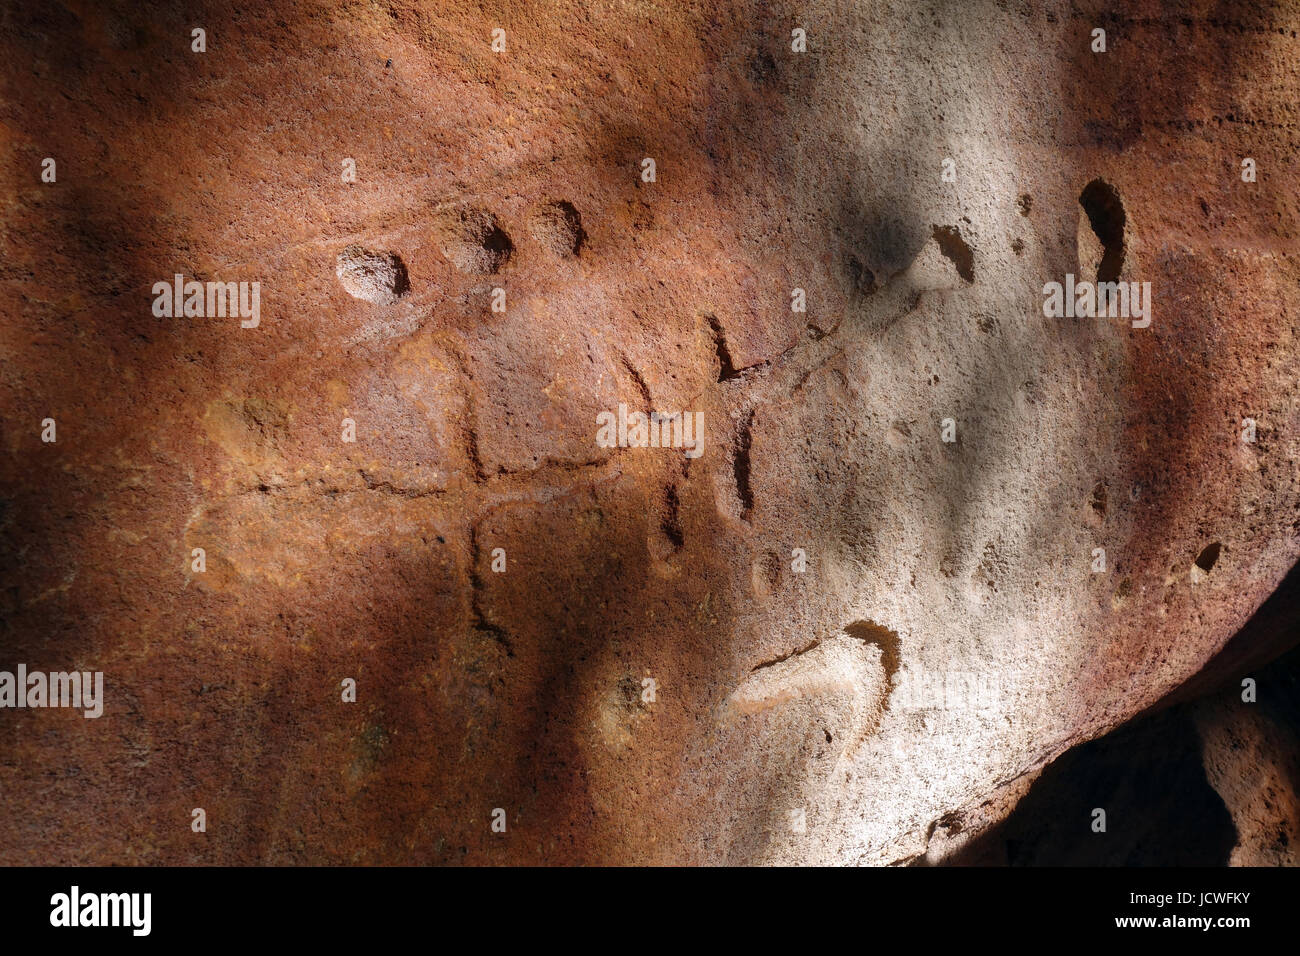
(925, 563)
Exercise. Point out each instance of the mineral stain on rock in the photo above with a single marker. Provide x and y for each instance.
(367, 748)
(249, 430)
(378, 277)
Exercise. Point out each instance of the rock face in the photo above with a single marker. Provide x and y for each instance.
(934, 538)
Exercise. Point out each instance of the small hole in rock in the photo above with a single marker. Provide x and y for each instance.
(1209, 556)
(955, 249)
(1100, 200)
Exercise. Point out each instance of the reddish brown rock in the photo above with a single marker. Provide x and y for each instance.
(946, 637)
(557, 227)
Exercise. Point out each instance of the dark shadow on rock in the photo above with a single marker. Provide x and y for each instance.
(1147, 777)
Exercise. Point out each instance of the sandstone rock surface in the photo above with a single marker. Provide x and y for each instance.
(947, 636)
